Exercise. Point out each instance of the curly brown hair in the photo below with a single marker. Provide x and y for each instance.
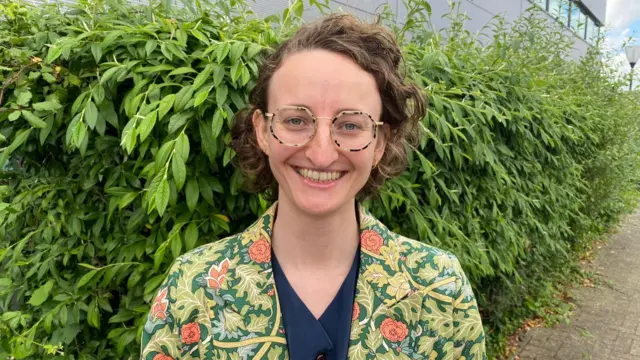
(375, 50)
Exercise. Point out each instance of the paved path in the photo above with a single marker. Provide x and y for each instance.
(606, 321)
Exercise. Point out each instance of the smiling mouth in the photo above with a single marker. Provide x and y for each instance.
(320, 176)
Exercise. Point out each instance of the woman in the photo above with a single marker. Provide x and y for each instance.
(317, 277)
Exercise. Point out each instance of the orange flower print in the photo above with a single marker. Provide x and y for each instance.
(162, 357)
(356, 312)
(371, 241)
(271, 292)
(217, 274)
(159, 307)
(190, 333)
(260, 251)
(394, 330)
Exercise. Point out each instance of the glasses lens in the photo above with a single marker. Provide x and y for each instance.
(353, 131)
(292, 126)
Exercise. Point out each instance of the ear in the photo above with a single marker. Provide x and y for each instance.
(381, 143)
(261, 127)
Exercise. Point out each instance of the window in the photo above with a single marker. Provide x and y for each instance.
(570, 15)
(541, 3)
(554, 8)
(594, 33)
(577, 20)
(565, 8)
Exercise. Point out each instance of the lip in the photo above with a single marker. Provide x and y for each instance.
(318, 185)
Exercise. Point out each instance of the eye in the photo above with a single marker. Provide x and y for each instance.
(351, 127)
(295, 121)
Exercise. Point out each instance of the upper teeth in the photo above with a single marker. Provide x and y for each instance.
(318, 175)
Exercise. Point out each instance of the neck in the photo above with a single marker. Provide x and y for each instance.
(302, 240)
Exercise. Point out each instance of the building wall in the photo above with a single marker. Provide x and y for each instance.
(481, 12)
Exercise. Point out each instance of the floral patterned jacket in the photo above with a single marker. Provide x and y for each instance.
(219, 301)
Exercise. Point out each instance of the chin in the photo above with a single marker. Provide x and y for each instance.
(318, 205)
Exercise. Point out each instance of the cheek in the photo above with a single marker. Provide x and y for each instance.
(361, 160)
(279, 153)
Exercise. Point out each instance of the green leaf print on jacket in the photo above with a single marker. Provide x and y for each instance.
(219, 301)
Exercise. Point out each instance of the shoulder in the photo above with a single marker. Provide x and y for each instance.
(421, 255)
(213, 253)
(433, 267)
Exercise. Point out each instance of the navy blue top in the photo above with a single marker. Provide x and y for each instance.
(308, 337)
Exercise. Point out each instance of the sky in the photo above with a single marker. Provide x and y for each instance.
(622, 23)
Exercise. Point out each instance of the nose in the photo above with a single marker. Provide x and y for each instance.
(321, 150)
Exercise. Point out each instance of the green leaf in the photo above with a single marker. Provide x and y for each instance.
(91, 114)
(176, 246)
(218, 75)
(162, 196)
(96, 50)
(182, 147)
(123, 315)
(53, 53)
(129, 136)
(179, 171)
(47, 106)
(41, 294)
(222, 52)
(182, 98)
(33, 120)
(191, 236)
(202, 77)
(126, 199)
(21, 137)
(192, 192)
(165, 105)
(221, 94)
(23, 97)
(218, 121)
(181, 36)
(236, 51)
(201, 96)
(86, 278)
(155, 68)
(79, 102)
(14, 115)
(165, 51)
(150, 46)
(200, 36)
(178, 120)
(207, 140)
(98, 93)
(175, 50)
(49, 78)
(253, 50)
(147, 124)
(93, 315)
(109, 73)
(163, 154)
(182, 70)
(44, 133)
(109, 113)
(205, 190)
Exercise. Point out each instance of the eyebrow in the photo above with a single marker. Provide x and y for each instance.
(337, 112)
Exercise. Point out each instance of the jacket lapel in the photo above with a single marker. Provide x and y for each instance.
(385, 307)
(251, 297)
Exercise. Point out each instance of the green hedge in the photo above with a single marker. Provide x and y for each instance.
(114, 127)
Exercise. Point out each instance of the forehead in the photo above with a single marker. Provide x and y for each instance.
(325, 82)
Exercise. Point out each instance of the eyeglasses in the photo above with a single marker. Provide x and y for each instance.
(296, 126)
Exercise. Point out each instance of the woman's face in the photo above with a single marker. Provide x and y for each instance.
(326, 83)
